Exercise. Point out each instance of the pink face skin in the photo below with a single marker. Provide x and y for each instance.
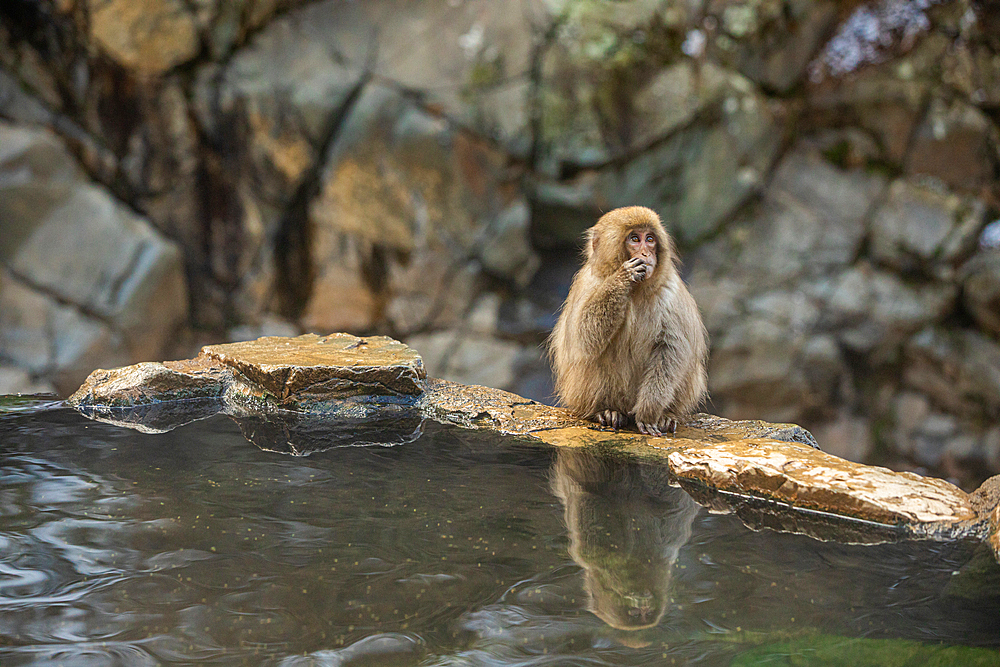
(641, 243)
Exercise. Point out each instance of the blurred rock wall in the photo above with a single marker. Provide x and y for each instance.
(175, 172)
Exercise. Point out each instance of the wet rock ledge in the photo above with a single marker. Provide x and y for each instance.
(772, 475)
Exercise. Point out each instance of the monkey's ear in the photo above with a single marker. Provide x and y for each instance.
(590, 245)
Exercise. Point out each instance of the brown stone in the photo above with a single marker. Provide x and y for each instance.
(267, 373)
(956, 144)
(151, 382)
(475, 406)
(150, 36)
(334, 366)
(341, 300)
(986, 501)
(815, 480)
(441, 198)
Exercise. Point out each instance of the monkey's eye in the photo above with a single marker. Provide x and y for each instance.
(634, 238)
(650, 239)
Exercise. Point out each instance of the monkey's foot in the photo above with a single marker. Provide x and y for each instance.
(612, 419)
(668, 425)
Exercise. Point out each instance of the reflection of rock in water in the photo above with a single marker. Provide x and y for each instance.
(626, 525)
(157, 417)
(301, 434)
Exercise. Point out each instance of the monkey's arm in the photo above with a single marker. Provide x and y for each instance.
(675, 381)
(602, 312)
(674, 384)
(658, 390)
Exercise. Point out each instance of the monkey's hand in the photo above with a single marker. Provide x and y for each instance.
(636, 269)
(665, 425)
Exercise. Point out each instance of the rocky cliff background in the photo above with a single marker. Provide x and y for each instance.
(178, 172)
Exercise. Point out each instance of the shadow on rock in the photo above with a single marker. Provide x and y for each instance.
(626, 525)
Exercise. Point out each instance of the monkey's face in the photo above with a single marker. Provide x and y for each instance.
(640, 243)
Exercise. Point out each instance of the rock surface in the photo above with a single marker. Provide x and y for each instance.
(981, 289)
(986, 500)
(267, 374)
(329, 367)
(377, 388)
(819, 481)
(84, 281)
(150, 35)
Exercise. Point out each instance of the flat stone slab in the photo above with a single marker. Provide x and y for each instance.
(334, 366)
(771, 475)
(812, 479)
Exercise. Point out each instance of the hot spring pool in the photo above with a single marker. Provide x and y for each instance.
(197, 546)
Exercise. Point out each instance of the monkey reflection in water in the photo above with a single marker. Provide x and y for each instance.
(626, 526)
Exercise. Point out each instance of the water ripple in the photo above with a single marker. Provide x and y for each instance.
(121, 548)
(81, 654)
(388, 648)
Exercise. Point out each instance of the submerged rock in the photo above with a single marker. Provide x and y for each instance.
(310, 393)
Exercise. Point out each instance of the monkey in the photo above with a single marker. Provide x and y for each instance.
(629, 342)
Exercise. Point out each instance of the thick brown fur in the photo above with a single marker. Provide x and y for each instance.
(626, 347)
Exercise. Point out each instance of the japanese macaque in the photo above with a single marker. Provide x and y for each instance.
(630, 343)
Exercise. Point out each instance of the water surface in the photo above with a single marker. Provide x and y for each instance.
(197, 546)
